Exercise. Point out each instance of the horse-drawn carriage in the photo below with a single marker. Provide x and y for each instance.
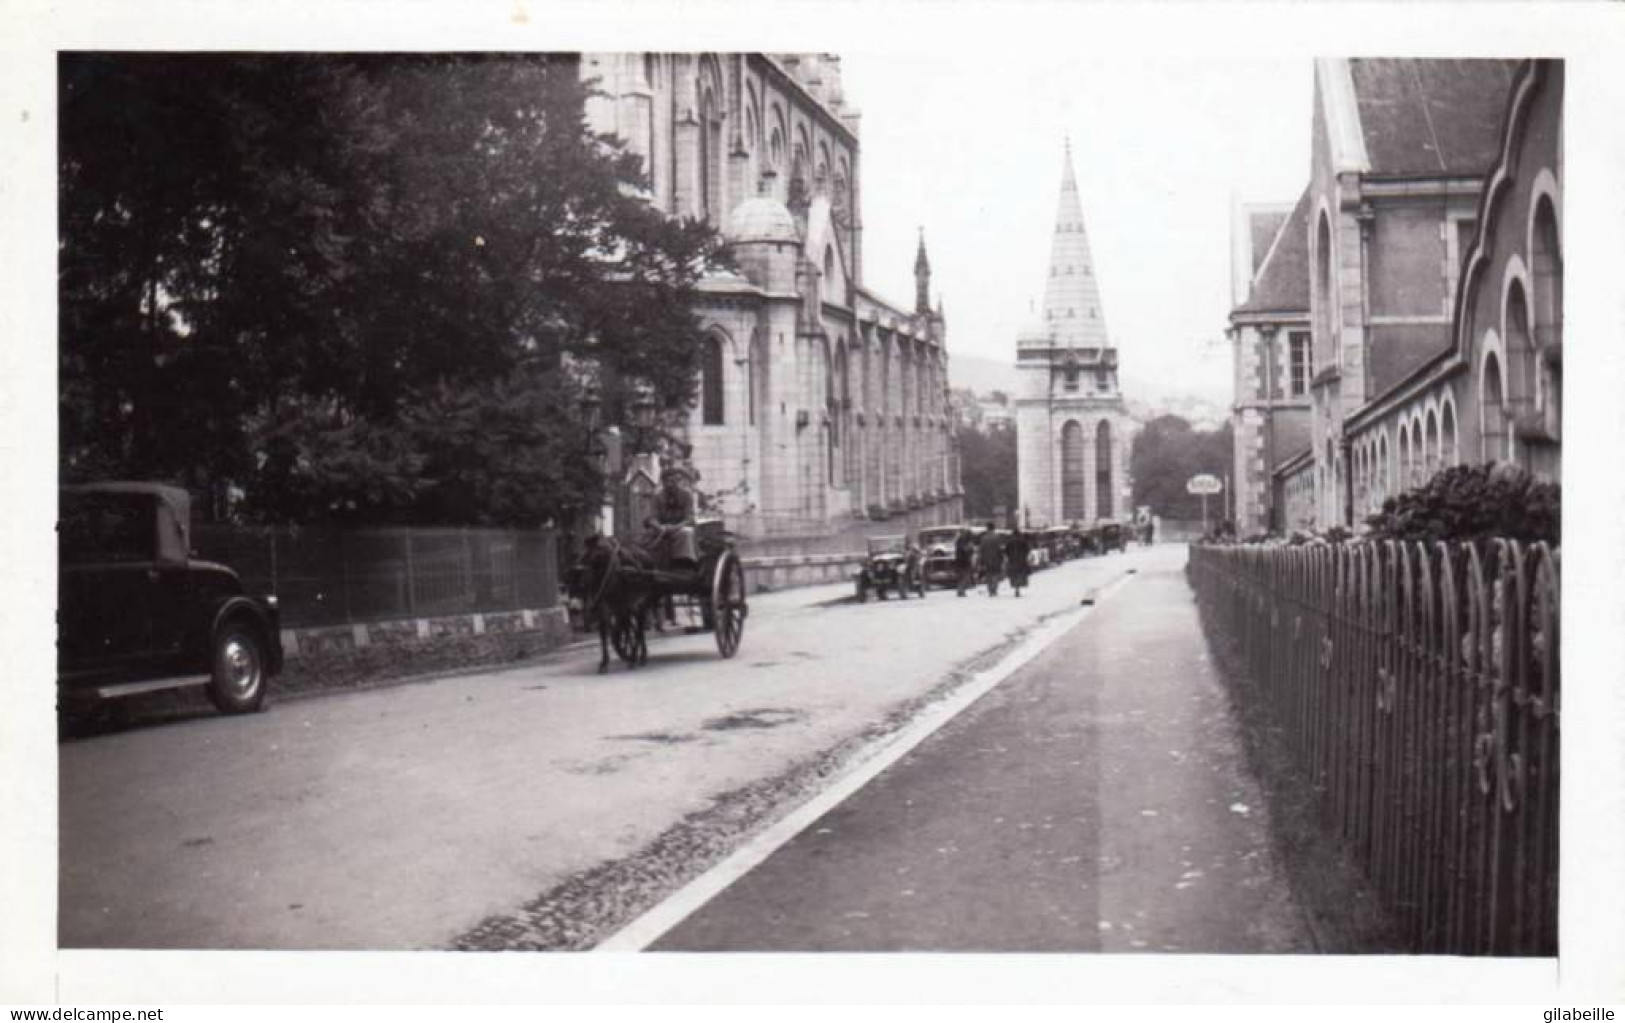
(622, 590)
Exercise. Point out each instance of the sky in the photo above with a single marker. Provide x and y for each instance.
(970, 148)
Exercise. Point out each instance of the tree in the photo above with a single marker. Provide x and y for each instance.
(362, 288)
(1166, 454)
(988, 471)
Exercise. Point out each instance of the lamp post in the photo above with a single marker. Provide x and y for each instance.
(643, 420)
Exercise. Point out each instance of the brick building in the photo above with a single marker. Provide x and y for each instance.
(1420, 172)
(1073, 432)
(820, 401)
(1273, 355)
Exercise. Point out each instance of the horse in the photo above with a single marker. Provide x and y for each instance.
(616, 591)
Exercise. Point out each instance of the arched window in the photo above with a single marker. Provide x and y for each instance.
(1103, 470)
(1072, 493)
(1520, 350)
(710, 161)
(832, 368)
(1493, 408)
(1384, 481)
(1431, 445)
(829, 263)
(1448, 455)
(1325, 353)
(1547, 257)
(711, 363)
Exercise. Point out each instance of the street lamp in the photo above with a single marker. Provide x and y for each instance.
(643, 419)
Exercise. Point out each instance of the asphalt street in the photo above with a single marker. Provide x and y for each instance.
(535, 807)
(1097, 800)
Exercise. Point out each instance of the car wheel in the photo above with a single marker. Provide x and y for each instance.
(238, 681)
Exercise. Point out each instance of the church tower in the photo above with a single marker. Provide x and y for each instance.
(1073, 431)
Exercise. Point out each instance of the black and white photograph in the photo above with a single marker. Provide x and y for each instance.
(1094, 506)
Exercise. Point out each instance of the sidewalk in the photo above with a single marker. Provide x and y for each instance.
(1097, 800)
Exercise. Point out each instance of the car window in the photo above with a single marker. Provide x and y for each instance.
(105, 527)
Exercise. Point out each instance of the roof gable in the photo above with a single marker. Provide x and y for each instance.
(1282, 281)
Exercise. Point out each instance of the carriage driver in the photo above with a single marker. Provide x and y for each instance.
(674, 520)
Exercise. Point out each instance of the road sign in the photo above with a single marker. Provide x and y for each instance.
(1204, 484)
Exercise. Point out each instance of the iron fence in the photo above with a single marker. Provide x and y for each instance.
(1418, 687)
(325, 576)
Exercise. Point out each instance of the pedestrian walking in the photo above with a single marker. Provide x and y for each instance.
(965, 560)
(990, 559)
(1017, 552)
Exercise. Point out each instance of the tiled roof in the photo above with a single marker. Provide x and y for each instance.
(1282, 282)
(1264, 225)
(1431, 116)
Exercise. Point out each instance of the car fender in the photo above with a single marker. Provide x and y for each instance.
(264, 619)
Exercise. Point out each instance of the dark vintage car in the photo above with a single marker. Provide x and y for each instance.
(1113, 535)
(137, 613)
(891, 566)
(1058, 540)
(937, 545)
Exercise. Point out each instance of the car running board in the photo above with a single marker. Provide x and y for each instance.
(151, 686)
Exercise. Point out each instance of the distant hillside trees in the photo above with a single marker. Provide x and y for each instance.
(1166, 454)
(350, 286)
(988, 471)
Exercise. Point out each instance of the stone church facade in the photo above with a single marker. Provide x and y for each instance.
(820, 402)
(1073, 431)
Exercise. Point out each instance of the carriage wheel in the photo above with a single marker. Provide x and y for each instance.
(627, 637)
(728, 608)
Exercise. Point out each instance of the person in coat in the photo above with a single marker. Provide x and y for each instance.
(1017, 550)
(965, 560)
(990, 559)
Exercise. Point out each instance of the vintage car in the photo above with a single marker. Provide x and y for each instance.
(892, 565)
(937, 545)
(137, 613)
(1061, 543)
(1113, 535)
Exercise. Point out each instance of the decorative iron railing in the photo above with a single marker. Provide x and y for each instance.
(1418, 687)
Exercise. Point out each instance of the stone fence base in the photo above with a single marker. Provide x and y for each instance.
(764, 575)
(551, 625)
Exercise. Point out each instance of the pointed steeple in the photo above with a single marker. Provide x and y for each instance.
(922, 278)
(1073, 315)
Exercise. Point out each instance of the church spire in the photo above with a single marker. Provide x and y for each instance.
(922, 279)
(1073, 314)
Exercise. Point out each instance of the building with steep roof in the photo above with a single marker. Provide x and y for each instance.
(1272, 355)
(1402, 151)
(820, 401)
(1073, 431)
(1492, 392)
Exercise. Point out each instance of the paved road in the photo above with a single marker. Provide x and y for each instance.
(1094, 801)
(488, 811)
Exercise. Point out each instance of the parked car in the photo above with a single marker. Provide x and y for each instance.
(937, 545)
(137, 613)
(1113, 535)
(893, 565)
(1060, 543)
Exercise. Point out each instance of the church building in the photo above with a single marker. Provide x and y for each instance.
(1073, 431)
(820, 402)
